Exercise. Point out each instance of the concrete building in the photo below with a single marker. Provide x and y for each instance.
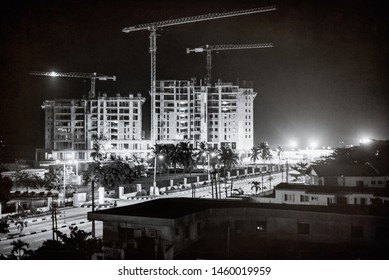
(183, 228)
(350, 175)
(300, 194)
(71, 123)
(220, 115)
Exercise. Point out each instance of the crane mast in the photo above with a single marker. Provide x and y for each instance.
(92, 76)
(210, 48)
(153, 27)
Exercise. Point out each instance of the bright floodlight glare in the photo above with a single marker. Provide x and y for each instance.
(293, 144)
(313, 144)
(53, 74)
(365, 140)
(160, 156)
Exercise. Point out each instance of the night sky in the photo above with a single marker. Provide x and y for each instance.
(324, 80)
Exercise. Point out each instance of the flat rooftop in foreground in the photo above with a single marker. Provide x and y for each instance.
(172, 208)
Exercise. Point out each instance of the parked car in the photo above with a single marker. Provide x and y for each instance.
(237, 192)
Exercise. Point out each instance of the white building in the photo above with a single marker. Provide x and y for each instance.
(71, 123)
(220, 115)
(351, 175)
(300, 194)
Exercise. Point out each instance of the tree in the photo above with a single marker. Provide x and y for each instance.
(301, 169)
(157, 151)
(255, 155)
(79, 245)
(256, 186)
(114, 173)
(186, 155)
(264, 151)
(94, 171)
(173, 153)
(98, 147)
(4, 226)
(19, 248)
(5, 189)
(27, 180)
(229, 158)
(202, 154)
(280, 153)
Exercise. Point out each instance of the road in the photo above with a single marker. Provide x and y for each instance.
(40, 229)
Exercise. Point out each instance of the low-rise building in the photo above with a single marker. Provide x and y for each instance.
(183, 228)
(325, 195)
(350, 175)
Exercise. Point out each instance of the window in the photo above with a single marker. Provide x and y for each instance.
(304, 198)
(303, 228)
(330, 200)
(288, 197)
(177, 231)
(152, 233)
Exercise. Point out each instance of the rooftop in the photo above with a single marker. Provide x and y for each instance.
(173, 208)
(334, 189)
(355, 170)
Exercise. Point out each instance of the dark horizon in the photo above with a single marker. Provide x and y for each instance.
(324, 80)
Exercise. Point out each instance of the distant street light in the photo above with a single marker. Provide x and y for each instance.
(364, 141)
(155, 170)
(293, 144)
(313, 144)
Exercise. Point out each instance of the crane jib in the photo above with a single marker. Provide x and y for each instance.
(147, 26)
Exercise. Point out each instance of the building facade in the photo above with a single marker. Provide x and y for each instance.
(221, 114)
(180, 228)
(71, 123)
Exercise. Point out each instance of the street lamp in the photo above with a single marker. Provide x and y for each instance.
(155, 170)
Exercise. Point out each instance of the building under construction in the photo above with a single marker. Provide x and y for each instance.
(220, 114)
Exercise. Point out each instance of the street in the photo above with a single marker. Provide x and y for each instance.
(40, 229)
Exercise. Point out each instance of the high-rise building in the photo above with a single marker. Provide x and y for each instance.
(220, 115)
(71, 123)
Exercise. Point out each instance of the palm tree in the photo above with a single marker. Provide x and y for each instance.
(280, 153)
(264, 151)
(94, 170)
(186, 156)
(98, 148)
(157, 150)
(19, 248)
(172, 153)
(254, 155)
(229, 158)
(256, 185)
(201, 154)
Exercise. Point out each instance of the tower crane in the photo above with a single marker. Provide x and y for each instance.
(153, 27)
(210, 48)
(92, 76)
